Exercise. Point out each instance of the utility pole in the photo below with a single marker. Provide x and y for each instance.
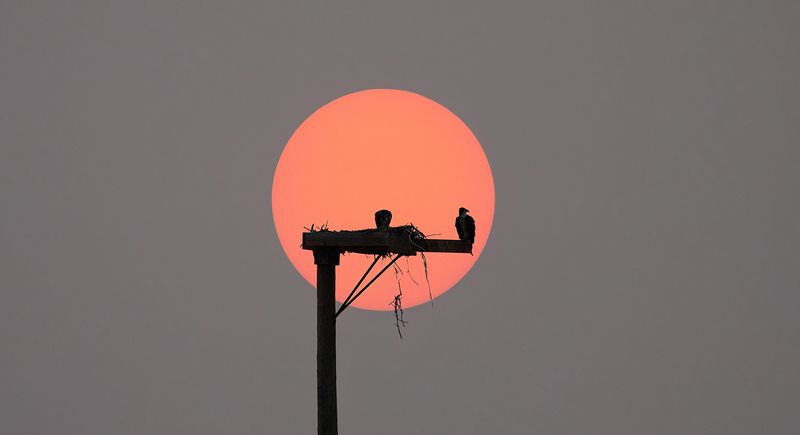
(326, 260)
(327, 247)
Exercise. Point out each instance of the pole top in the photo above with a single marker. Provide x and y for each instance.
(326, 256)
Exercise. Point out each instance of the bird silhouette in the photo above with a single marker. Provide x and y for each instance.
(465, 225)
(382, 219)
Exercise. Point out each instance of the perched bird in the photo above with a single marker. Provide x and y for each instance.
(382, 219)
(465, 225)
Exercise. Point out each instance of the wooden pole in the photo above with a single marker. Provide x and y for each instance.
(327, 246)
(326, 260)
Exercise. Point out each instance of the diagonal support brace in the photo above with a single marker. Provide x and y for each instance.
(348, 303)
(347, 299)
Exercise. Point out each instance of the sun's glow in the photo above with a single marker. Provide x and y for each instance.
(376, 149)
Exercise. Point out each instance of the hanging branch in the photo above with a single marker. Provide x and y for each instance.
(427, 281)
(408, 269)
(397, 304)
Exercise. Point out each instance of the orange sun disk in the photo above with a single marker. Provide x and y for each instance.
(376, 149)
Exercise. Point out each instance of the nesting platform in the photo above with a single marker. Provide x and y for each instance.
(404, 240)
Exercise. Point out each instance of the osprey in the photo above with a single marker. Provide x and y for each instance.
(382, 219)
(465, 225)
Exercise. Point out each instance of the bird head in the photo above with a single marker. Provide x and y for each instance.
(462, 211)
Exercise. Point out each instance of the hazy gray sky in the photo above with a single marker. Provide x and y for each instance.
(643, 274)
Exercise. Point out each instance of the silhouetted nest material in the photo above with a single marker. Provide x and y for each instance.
(323, 227)
(398, 313)
(410, 233)
(398, 235)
